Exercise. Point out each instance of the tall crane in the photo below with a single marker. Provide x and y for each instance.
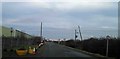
(80, 33)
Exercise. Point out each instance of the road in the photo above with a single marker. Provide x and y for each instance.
(55, 50)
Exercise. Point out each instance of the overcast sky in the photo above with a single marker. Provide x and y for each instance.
(61, 18)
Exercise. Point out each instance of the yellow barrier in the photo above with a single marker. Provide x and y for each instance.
(21, 52)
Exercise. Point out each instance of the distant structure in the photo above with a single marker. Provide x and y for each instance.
(6, 32)
(80, 33)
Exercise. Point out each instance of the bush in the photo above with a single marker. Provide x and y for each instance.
(98, 45)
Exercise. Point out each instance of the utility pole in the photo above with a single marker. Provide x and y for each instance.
(80, 32)
(41, 31)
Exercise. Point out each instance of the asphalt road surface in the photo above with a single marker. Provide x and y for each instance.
(55, 50)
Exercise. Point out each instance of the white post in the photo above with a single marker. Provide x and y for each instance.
(107, 47)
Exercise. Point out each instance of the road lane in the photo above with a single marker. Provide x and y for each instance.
(55, 50)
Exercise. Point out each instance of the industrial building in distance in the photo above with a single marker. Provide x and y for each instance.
(10, 32)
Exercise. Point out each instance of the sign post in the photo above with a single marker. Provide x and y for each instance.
(11, 36)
